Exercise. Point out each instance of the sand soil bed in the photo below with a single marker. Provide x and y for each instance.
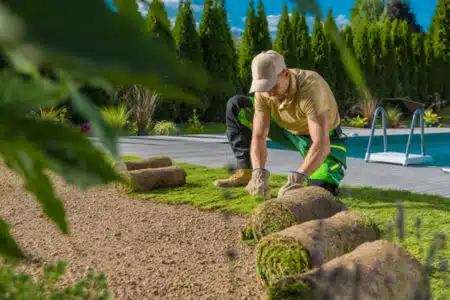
(148, 250)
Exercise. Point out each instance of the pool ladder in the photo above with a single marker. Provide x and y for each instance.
(406, 158)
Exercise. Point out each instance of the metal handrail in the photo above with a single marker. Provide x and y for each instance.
(372, 131)
(411, 132)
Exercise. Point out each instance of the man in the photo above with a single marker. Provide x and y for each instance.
(294, 108)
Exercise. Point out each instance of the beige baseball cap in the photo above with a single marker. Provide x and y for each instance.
(265, 68)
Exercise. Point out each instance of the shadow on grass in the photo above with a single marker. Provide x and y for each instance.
(414, 200)
(166, 190)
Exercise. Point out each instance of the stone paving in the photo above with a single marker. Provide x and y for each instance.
(214, 151)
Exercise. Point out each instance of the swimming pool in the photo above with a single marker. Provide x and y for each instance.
(436, 145)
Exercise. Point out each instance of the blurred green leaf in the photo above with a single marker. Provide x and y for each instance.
(350, 63)
(349, 60)
(21, 62)
(26, 160)
(70, 153)
(8, 246)
(105, 43)
(130, 9)
(309, 6)
(21, 95)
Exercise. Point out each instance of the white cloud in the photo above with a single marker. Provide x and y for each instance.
(310, 21)
(143, 8)
(341, 21)
(172, 21)
(237, 30)
(174, 4)
(273, 21)
(197, 7)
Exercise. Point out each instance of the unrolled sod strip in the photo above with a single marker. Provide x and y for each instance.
(295, 207)
(150, 162)
(374, 270)
(145, 180)
(299, 248)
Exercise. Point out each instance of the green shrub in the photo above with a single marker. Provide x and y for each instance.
(116, 116)
(195, 125)
(431, 118)
(164, 128)
(357, 122)
(20, 285)
(58, 115)
(393, 117)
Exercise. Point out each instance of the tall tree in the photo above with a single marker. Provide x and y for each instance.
(369, 10)
(283, 40)
(419, 75)
(232, 55)
(187, 46)
(301, 41)
(403, 55)
(185, 34)
(263, 41)
(441, 49)
(377, 71)
(219, 59)
(429, 64)
(248, 47)
(362, 51)
(159, 27)
(389, 61)
(400, 10)
(348, 88)
(319, 48)
(158, 23)
(333, 56)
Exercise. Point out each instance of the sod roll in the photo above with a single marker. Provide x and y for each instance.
(150, 162)
(299, 248)
(145, 180)
(374, 270)
(295, 207)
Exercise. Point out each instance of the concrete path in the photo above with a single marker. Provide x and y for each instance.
(214, 151)
(393, 131)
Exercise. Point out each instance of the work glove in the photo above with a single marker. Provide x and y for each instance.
(259, 183)
(295, 180)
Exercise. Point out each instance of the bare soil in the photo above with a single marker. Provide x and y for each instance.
(148, 250)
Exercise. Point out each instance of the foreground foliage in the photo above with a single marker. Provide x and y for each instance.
(86, 52)
(20, 285)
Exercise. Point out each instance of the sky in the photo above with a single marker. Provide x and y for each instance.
(237, 10)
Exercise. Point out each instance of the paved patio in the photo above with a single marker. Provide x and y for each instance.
(214, 151)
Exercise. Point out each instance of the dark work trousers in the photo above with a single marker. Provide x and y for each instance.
(239, 136)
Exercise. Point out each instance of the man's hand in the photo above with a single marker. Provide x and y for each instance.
(259, 184)
(295, 181)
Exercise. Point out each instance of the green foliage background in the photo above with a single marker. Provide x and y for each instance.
(393, 59)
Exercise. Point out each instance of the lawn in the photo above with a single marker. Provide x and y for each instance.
(381, 205)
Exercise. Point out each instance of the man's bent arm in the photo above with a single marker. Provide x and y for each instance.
(320, 147)
(258, 148)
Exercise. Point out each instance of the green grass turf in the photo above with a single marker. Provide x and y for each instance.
(381, 205)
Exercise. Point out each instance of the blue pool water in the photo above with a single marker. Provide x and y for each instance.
(436, 145)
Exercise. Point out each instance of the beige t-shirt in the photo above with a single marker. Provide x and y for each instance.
(308, 95)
